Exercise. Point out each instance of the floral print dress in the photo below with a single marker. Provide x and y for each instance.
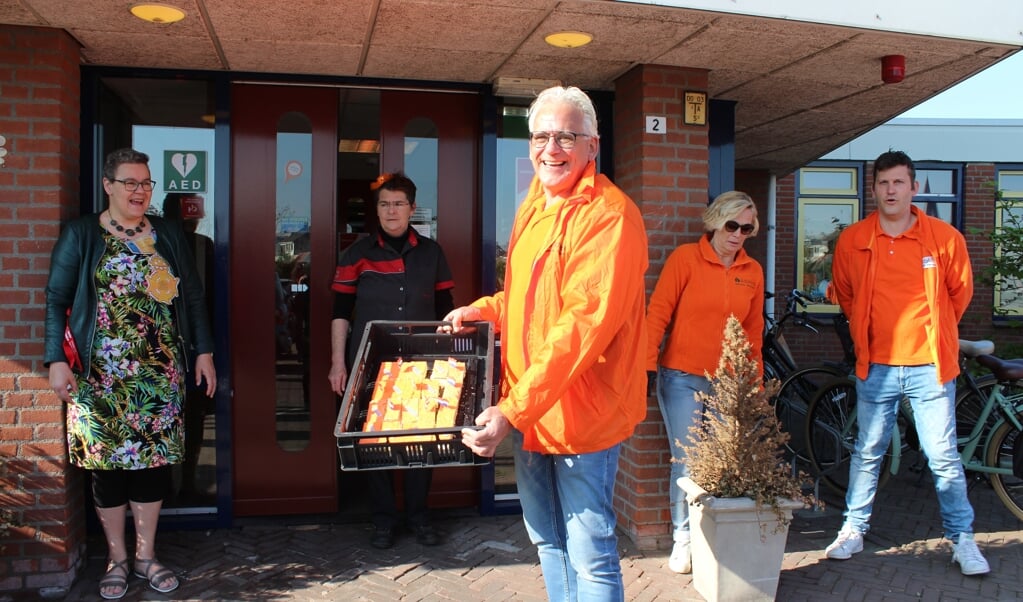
(128, 414)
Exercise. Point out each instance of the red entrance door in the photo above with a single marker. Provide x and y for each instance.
(286, 230)
(409, 120)
(284, 162)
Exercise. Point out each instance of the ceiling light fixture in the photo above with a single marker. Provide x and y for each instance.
(157, 13)
(568, 39)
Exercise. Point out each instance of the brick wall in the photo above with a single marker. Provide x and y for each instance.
(667, 176)
(39, 116)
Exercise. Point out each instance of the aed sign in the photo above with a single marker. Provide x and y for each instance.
(184, 170)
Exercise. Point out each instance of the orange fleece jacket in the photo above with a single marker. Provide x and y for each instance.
(580, 386)
(693, 298)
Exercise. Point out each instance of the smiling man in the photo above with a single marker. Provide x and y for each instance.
(573, 335)
(904, 280)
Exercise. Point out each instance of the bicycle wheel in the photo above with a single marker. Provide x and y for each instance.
(793, 400)
(969, 405)
(831, 434)
(1008, 487)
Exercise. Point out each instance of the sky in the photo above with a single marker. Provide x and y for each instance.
(995, 93)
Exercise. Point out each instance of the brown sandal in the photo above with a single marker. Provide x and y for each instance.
(144, 568)
(110, 579)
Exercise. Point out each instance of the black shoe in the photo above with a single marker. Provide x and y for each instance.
(426, 535)
(383, 538)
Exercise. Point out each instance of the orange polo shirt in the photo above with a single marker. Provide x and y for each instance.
(899, 313)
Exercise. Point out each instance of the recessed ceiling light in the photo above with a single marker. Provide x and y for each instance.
(158, 13)
(568, 39)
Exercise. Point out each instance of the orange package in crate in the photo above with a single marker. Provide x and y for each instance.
(407, 397)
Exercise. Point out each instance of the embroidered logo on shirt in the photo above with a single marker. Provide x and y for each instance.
(744, 282)
(929, 262)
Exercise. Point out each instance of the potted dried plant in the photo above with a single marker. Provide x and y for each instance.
(740, 491)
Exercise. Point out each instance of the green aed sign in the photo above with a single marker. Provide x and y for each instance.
(184, 170)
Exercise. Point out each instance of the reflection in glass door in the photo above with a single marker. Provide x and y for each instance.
(292, 259)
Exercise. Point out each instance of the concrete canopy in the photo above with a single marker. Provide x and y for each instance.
(801, 88)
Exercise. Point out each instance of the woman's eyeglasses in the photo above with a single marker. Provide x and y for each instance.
(732, 226)
(133, 185)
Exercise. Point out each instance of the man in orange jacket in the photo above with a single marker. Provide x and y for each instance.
(571, 318)
(904, 280)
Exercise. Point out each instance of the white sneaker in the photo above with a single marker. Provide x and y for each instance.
(680, 560)
(847, 543)
(966, 553)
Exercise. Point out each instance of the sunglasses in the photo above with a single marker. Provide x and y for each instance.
(732, 226)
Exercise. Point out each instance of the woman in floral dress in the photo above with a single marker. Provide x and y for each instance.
(124, 293)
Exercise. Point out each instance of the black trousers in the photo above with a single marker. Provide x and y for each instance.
(416, 488)
(112, 488)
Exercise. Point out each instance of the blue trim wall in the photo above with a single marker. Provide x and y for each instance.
(721, 148)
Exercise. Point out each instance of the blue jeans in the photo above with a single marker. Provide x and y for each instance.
(933, 403)
(676, 394)
(567, 507)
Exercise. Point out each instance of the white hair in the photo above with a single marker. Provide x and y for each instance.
(572, 96)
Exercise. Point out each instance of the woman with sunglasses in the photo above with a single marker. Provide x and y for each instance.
(700, 285)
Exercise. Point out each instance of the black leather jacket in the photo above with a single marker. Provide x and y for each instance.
(72, 283)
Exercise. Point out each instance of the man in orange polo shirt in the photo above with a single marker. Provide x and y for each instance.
(573, 335)
(904, 280)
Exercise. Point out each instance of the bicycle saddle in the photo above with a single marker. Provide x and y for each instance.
(975, 348)
(1002, 369)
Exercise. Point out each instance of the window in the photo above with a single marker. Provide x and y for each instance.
(514, 175)
(1008, 251)
(940, 191)
(829, 201)
(829, 181)
(172, 120)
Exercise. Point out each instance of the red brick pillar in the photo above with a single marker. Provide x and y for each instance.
(39, 117)
(667, 176)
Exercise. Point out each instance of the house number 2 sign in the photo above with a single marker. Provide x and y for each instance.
(655, 125)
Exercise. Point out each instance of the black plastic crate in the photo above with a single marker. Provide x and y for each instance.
(385, 341)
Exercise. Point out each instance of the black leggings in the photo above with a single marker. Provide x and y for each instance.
(112, 488)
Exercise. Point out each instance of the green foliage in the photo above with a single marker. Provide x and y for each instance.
(737, 449)
(1006, 269)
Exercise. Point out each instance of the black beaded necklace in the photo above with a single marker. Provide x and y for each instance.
(129, 232)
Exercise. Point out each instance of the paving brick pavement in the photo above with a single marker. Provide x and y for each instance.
(490, 559)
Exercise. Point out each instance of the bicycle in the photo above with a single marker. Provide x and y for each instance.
(988, 439)
(838, 401)
(778, 360)
(798, 386)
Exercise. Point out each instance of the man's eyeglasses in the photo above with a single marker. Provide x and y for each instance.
(395, 205)
(732, 226)
(133, 185)
(564, 139)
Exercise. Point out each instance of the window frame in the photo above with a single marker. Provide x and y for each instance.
(1015, 198)
(958, 200)
(849, 198)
